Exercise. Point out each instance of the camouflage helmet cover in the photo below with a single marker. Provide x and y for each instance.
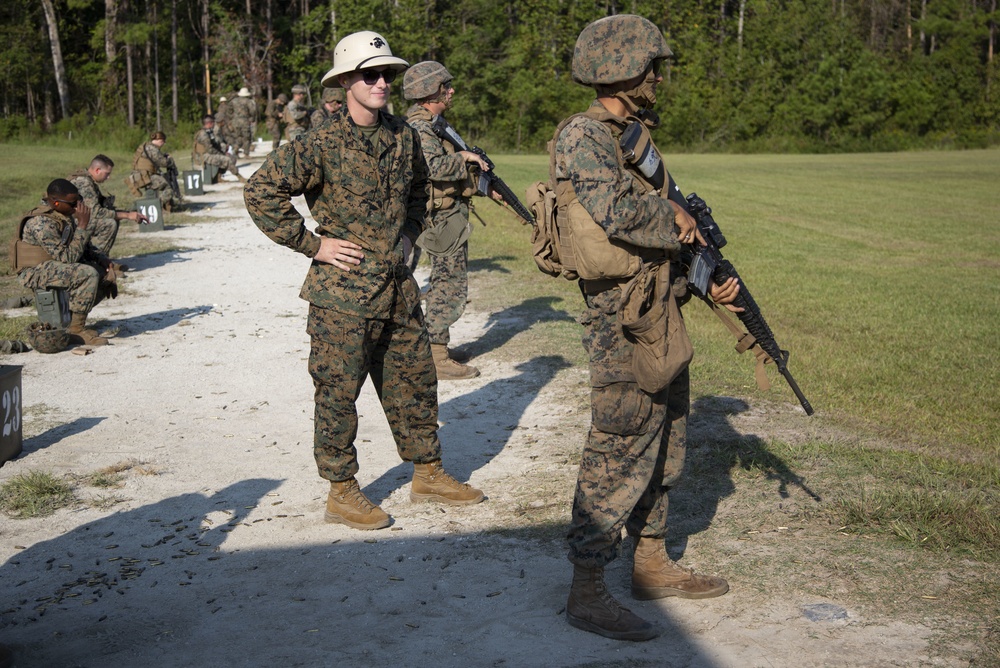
(44, 338)
(157, 135)
(299, 88)
(334, 95)
(617, 48)
(282, 98)
(424, 80)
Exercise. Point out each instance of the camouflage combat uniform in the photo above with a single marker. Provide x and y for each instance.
(209, 150)
(636, 444)
(147, 163)
(242, 121)
(296, 117)
(446, 238)
(366, 321)
(273, 115)
(76, 265)
(103, 221)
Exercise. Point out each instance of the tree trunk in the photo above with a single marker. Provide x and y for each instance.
(739, 29)
(130, 85)
(156, 68)
(204, 56)
(57, 58)
(174, 83)
(110, 51)
(268, 58)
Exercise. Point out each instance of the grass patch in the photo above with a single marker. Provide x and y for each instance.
(35, 494)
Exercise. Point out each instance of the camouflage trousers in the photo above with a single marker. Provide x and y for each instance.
(163, 191)
(635, 447)
(223, 161)
(447, 293)
(105, 231)
(345, 350)
(241, 137)
(79, 279)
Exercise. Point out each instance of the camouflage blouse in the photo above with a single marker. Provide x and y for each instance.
(369, 194)
(587, 154)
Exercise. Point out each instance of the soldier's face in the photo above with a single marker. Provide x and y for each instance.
(158, 143)
(373, 96)
(65, 204)
(101, 174)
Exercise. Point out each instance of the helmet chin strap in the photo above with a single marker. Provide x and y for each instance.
(640, 100)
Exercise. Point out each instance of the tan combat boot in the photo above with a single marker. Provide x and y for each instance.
(655, 575)
(449, 369)
(347, 505)
(79, 334)
(432, 483)
(590, 607)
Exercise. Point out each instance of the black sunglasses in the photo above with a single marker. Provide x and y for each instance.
(72, 204)
(371, 77)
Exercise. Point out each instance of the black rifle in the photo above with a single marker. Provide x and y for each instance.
(172, 179)
(707, 264)
(488, 180)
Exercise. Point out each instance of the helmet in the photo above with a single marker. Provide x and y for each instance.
(157, 135)
(424, 80)
(222, 99)
(282, 98)
(360, 50)
(334, 95)
(617, 48)
(45, 338)
(299, 88)
(244, 92)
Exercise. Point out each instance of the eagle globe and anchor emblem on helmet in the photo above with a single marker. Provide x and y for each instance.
(378, 42)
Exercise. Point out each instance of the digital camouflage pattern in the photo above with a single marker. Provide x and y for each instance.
(320, 116)
(617, 48)
(45, 338)
(365, 321)
(103, 223)
(369, 194)
(272, 115)
(148, 154)
(446, 238)
(345, 349)
(209, 150)
(634, 450)
(424, 80)
(75, 265)
(296, 119)
(636, 444)
(242, 121)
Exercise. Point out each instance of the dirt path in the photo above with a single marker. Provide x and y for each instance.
(216, 553)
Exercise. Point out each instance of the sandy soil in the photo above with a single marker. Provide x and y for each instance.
(216, 553)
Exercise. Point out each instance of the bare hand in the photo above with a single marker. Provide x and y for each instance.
(469, 156)
(341, 254)
(726, 293)
(687, 229)
(82, 215)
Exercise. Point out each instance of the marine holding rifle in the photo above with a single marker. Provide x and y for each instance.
(446, 238)
(155, 169)
(635, 448)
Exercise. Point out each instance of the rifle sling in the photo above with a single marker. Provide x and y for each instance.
(744, 342)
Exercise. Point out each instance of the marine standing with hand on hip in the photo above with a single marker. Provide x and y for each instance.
(635, 448)
(365, 180)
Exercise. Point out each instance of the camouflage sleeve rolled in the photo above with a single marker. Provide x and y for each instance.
(416, 207)
(441, 165)
(47, 231)
(586, 154)
(287, 172)
(92, 197)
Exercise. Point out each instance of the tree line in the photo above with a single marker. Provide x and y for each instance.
(748, 75)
